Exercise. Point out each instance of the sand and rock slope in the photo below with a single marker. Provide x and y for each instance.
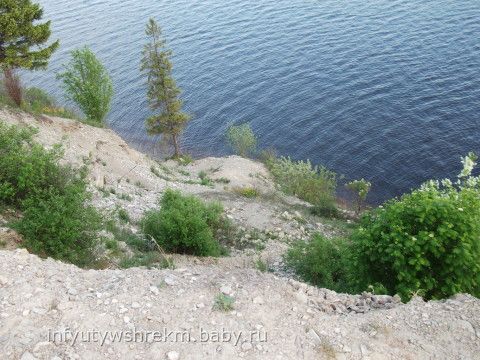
(43, 301)
(52, 310)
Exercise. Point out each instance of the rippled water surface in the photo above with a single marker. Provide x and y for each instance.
(381, 89)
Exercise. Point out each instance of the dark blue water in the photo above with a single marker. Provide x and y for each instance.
(385, 90)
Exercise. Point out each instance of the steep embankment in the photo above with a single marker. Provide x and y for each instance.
(43, 301)
(275, 318)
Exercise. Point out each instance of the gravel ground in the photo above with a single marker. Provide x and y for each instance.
(42, 302)
(170, 314)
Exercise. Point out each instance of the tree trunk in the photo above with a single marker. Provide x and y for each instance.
(175, 144)
(13, 86)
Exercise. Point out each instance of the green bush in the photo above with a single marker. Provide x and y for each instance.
(87, 83)
(57, 223)
(314, 184)
(242, 139)
(322, 262)
(185, 224)
(38, 101)
(360, 189)
(56, 220)
(426, 242)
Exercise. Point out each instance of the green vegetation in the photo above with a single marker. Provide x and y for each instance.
(204, 178)
(22, 42)
(123, 215)
(322, 262)
(248, 192)
(163, 93)
(360, 188)
(52, 198)
(185, 225)
(145, 252)
(314, 184)
(223, 303)
(261, 265)
(242, 139)
(87, 83)
(426, 242)
(37, 102)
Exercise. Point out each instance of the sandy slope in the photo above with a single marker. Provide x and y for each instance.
(273, 317)
(278, 319)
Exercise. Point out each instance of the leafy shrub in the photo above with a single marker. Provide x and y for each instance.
(248, 192)
(59, 224)
(52, 198)
(426, 241)
(185, 224)
(314, 184)
(204, 178)
(360, 188)
(321, 262)
(87, 83)
(38, 101)
(123, 215)
(223, 302)
(242, 139)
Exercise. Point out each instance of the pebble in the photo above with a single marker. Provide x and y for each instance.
(173, 355)
(27, 356)
(246, 346)
(154, 290)
(258, 300)
(169, 281)
(227, 290)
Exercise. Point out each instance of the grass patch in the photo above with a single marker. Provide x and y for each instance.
(223, 303)
(248, 192)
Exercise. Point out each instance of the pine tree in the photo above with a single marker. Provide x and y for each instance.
(19, 33)
(163, 93)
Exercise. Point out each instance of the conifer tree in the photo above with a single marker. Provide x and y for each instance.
(22, 39)
(163, 93)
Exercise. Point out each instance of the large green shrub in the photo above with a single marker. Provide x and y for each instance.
(185, 224)
(314, 184)
(242, 139)
(59, 224)
(87, 82)
(322, 262)
(56, 220)
(426, 242)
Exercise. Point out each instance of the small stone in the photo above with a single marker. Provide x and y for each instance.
(154, 290)
(363, 350)
(169, 281)
(258, 300)
(246, 346)
(227, 290)
(126, 319)
(72, 291)
(135, 305)
(173, 355)
(27, 356)
(314, 336)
